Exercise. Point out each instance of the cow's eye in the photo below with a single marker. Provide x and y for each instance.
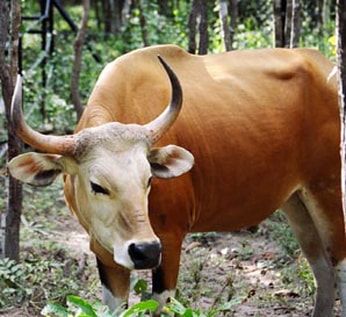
(149, 181)
(97, 189)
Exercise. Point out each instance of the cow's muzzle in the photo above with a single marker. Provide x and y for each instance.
(145, 255)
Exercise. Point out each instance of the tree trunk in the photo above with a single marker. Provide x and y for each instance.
(288, 22)
(77, 64)
(164, 8)
(125, 13)
(326, 11)
(8, 71)
(192, 24)
(203, 29)
(319, 18)
(279, 22)
(295, 28)
(225, 30)
(97, 14)
(319, 13)
(234, 17)
(118, 7)
(107, 17)
(112, 13)
(341, 22)
(143, 23)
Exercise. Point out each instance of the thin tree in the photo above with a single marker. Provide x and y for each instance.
(198, 20)
(9, 34)
(319, 16)
(192, 24)
(234, 17)
(77, 64)
(203, 28)
(279, 22)
(295, 28)
(97, 11)
(326, 11)
(125, 13)
(225, 29)
(107, 17)
(288, 22)
(113, 16)
(341, 27)
(142, 23)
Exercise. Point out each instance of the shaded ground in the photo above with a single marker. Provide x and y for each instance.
(250, 271)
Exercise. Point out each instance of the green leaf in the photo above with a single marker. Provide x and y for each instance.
(149, 305)
(188, 313)
(230, 304)
(55, 310)
(176, 307)
(82, 304)
(141, 286)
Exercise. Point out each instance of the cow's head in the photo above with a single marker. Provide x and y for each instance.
(112, 166)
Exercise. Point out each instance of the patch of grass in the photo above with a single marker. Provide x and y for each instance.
(42, 276)
(295, 272)
(306, 276)
(298, 276)
(246, 251)
(47, 270)
(279, 231)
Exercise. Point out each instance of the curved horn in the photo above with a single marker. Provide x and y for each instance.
(163, 122)
(64, 145)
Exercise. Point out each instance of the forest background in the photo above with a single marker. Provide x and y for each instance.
(61, 65)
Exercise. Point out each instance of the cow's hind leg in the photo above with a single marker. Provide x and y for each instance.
(311, 244)
(323, 200)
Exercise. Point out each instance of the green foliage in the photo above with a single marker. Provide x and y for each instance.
(161, 29)
(12, 276)
(297, 274)
(306, 276)
(254, 30)
(52, 309)
(141, 308)
(78, 307)
(36, 279)
(282, 233)
(141, 286)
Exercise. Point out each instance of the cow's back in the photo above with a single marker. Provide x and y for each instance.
(245, 117)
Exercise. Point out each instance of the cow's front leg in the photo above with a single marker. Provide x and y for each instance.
(166, 274)
(115, 282)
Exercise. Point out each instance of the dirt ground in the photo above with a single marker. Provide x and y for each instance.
(248, 270)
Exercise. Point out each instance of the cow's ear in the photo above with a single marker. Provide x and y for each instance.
(37, 169)
(170, 161)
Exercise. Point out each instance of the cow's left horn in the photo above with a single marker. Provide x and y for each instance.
(64, 145)
(162, 123)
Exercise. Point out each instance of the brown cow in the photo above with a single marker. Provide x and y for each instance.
(263, 127)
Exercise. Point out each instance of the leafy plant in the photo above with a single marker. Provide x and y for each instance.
(36, 279)
(78, 307)
(12, 276)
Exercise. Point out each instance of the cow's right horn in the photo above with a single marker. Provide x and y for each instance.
(64, 145)
(163, 122)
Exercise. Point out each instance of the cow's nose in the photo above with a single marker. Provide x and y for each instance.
(145, 255)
